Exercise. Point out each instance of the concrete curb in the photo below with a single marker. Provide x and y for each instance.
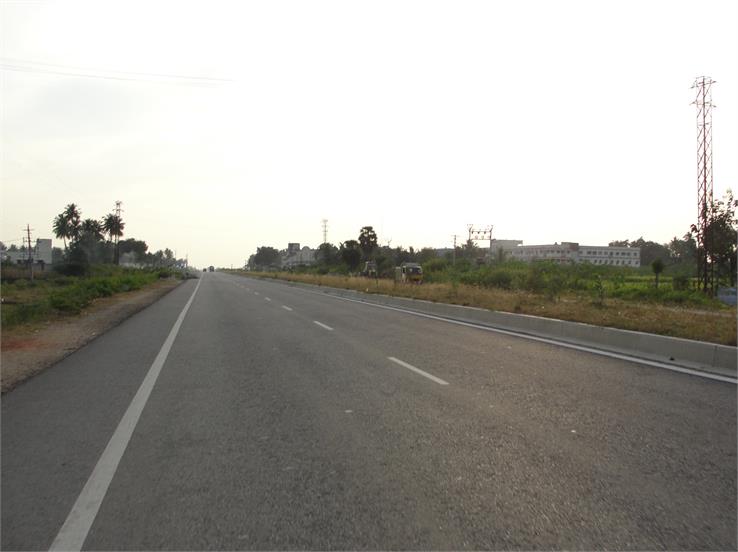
(683, 353)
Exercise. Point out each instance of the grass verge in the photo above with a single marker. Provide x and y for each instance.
(26, 302)
(713, 323)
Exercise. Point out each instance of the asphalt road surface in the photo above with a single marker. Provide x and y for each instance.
(244, 414)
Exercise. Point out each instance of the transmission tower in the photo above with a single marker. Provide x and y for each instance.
(705, 264)
(325, 230)
(478, 233)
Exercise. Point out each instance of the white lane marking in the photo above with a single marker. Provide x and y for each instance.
(285, 307)
(267, 299)
(256, 293)
(323, 325)
(418, 370)
(73, 533)
(583, 348)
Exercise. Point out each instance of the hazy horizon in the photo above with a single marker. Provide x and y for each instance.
(227, 126)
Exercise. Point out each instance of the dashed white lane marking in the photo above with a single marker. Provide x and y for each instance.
(285, 307)
(418, 370)
(267, 299)
(256, 293)
(323, 325)
(73, 533)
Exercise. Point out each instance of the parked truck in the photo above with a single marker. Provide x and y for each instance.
(409, 273)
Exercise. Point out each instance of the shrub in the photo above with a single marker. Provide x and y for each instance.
(680, 282)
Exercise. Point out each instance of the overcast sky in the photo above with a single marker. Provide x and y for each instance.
(553, 121)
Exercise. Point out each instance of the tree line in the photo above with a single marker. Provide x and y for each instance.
(678, 257)
(92, 241)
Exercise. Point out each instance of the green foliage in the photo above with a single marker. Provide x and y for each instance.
(69, 294)
(367, 240)
(680, 282)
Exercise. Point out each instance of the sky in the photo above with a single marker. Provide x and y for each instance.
(224, 126)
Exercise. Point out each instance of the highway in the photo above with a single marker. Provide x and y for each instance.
(244, 414)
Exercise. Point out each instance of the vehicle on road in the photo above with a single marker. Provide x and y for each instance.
(411, 273)
(212, 268)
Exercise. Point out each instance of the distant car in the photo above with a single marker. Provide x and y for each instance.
(212, 269)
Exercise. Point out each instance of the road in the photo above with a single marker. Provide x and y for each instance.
(280, 418)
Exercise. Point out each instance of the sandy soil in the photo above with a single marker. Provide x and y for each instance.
(27, 350)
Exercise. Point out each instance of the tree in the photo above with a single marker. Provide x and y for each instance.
(367, 240)
(650, 251)
(66, 225)
(113, 226)
(90, 239)
(131, 245)
(658, 267)
(72, 215)
(470, 250)
(720, 237)
(327, 254)
(350, 252)
(266, 257)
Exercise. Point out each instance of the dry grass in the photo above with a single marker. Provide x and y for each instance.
(715, 326)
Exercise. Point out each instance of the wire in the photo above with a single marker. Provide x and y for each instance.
(26, 66)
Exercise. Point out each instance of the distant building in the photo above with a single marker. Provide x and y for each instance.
(294, 256)
(569, 253)
(40, 254)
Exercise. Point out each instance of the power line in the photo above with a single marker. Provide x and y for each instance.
(27, 66)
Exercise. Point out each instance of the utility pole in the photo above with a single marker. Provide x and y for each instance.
(118, 211)
(454, 253)
(705, 262)
(325, 230)
(30, 254)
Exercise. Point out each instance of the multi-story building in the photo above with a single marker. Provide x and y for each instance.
(294, 256)
(568, 252)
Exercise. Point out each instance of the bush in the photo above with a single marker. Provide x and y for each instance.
(680, 283)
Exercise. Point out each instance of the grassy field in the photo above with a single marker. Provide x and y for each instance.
(52, 295)
(697, 318)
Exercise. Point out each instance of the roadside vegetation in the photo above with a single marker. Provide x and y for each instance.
(661, 296)
(686, 314)
(88, 268)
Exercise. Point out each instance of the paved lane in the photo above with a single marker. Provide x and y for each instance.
(267, 430)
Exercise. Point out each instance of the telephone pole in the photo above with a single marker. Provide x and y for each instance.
(30, 254)
(325, 230)
(454, 252)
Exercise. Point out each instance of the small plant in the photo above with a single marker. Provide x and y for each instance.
(599, 291)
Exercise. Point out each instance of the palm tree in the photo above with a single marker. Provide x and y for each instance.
(92, 228)
(113, 225)
(72, 216)
(61, 229)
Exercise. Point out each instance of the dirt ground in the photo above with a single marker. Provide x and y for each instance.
(27, 350)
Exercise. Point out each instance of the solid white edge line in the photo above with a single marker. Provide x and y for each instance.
(285, 307)
(583, 348)
(418, 370)
(73, 533)
(323, 325)
(564, 344)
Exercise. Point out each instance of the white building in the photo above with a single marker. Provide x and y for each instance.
(294, 256)
(569, 252)
(41, 254)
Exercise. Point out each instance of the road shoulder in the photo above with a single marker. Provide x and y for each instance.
(29, 350)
